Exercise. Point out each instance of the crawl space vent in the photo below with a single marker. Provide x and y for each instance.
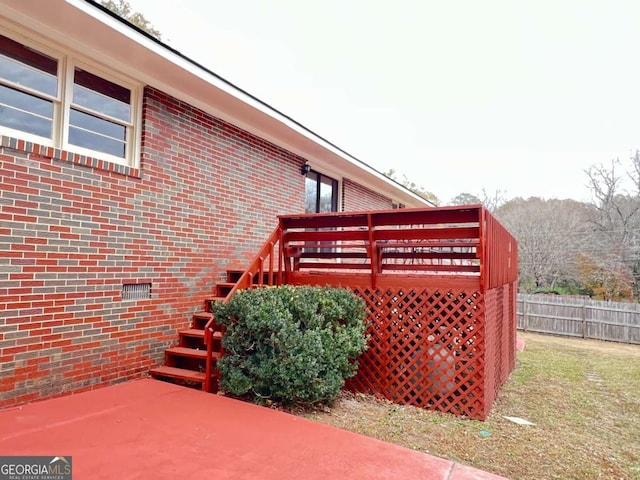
(136, 291)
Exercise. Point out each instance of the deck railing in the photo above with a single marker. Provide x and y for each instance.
(386, 246)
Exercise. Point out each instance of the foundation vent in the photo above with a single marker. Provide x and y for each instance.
(136, 291)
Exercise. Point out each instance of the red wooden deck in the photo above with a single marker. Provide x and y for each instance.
(440, 289)
(151, 429)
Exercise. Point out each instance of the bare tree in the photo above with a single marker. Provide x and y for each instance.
(615, 216)
(493, 200)
(550, 235)
(613, 212)
(634, 173)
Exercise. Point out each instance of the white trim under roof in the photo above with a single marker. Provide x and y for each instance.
(85, 27)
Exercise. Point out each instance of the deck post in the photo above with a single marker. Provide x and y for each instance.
(373, 252)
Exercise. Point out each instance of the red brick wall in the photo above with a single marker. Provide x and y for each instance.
(74, 229)
(356, 197)
(207, 193)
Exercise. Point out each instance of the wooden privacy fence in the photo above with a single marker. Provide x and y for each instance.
(579, 317)
(440, 287)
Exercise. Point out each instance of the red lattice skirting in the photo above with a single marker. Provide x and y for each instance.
(442, 349)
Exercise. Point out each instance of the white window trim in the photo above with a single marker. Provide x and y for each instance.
(67, 62)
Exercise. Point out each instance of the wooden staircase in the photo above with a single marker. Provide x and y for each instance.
(186, 362)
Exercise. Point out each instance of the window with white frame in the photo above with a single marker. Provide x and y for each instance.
(55, 100)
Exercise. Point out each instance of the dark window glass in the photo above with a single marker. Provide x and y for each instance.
(327, 190)
(93, 141)
(26, 68)
(101, 96)
(321, 193)
(311, 192)
(22, 74)
(28, 56)
(28, 113)
(24, 101)
(97, 125)
(321, 196)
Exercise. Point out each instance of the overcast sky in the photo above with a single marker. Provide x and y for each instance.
(520, 96)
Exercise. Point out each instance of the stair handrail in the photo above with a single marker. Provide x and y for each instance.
(256, 266)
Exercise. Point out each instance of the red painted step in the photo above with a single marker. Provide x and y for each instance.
(191, 332)
(224, 288)
(191, 353)
(180, 373)
(188, 361)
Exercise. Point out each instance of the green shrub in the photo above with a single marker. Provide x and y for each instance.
(291, 345)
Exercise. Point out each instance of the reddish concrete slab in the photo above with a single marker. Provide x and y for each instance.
(150, 429)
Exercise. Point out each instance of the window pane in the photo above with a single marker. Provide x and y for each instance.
(28, 55)
(93, 141)
(327, 200)
(101, 96)
(25, 66)
(24, 101)
(30, 119)
(22, 74)
(311, 192)
(97, 125)
(25, 122)
(100, 104)
(327, 187)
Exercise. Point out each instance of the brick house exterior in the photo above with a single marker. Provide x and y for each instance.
(199, 194)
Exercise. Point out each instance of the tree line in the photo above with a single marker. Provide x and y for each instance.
(571, 247)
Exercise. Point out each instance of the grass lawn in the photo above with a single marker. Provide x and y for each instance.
(582, 395)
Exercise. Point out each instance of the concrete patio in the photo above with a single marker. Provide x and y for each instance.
(151, 429)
